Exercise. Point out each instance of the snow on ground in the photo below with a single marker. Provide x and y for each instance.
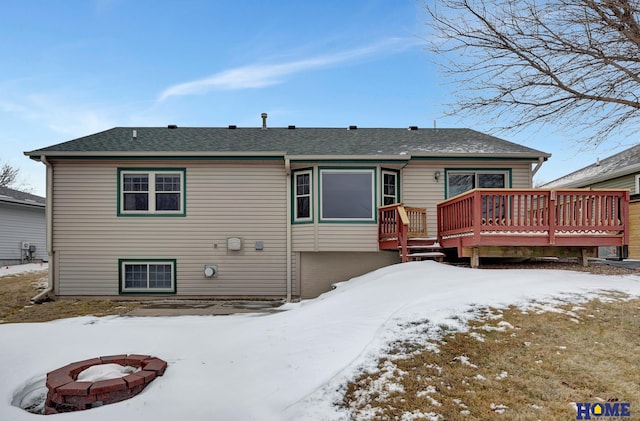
(16, 269)
(284, 366)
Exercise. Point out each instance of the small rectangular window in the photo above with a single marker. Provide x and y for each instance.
(389, 188)
(302, 196)
(151, 192)
(147, 276)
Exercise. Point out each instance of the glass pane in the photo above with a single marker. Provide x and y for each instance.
(460, 183)
(135, 276)
(168, 182)
(160, 276)
(389, 187)
(389, 200)
(491, 181)
(302, 209)
(302, 184)
(347, 195)
(167, 201)
(136, 182)
(136, 201)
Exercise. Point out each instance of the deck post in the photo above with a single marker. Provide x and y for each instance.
(584, 257)
(475, 257)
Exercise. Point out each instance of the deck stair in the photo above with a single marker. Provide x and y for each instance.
(422, 249)
(405, 229)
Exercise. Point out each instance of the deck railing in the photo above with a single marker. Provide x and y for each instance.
(531, 212)
(397, 223)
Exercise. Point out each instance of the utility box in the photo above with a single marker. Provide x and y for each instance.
(234, 244)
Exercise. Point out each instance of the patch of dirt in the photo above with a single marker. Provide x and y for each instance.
(596, 268)
(16, 292)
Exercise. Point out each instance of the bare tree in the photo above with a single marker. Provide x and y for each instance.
(574, 63)
(8, 175)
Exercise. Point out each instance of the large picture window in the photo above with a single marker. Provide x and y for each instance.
(347, 195)
(460, 181)
(303, 193)
(151, 192)
(147, 276)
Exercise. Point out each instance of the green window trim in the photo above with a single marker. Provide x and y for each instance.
(373, 219)
(295, 195)
(122, 263)
(151, 191)
(383, 195)
(508, 173)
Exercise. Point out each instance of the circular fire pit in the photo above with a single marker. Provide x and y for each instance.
(67, 394)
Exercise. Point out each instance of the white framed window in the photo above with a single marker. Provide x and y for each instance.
(147, 276)
(390, 189)
(347, 195)
(637, 183)
(151, 192)
(460, 181)
(303, 196)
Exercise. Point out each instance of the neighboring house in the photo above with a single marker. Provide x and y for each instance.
(22, 227)
(619, 171)
(250, 212)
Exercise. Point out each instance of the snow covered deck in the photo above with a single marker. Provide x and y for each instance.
(506, 222)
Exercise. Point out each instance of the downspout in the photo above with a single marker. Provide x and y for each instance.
(287, 167)
(538, 165)
(48, 292)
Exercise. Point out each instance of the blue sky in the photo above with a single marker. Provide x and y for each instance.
(76, 67)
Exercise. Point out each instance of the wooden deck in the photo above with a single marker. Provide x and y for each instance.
(531, 222)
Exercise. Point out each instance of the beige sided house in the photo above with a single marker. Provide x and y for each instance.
(249, 212)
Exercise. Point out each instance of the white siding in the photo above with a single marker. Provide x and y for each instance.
(21, 223)
(419, 188)
(223, 200)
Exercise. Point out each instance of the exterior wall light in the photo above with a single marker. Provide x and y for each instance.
(436, 176)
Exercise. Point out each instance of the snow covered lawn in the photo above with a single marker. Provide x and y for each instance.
(284, 366)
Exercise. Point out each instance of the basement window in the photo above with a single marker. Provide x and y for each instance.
(147, 276)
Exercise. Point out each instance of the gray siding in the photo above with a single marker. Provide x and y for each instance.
(627, 182)
(223, 200)
(21, 223)
(321, 270)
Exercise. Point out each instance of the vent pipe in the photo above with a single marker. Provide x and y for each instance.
(264, 120)
(134, 134)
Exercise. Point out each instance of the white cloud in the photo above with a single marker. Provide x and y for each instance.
(261, 75)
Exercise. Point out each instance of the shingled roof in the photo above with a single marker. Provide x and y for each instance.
(8, 195)
(326, 142)
(618, 165)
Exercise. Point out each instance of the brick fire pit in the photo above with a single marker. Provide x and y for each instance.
(66, 394)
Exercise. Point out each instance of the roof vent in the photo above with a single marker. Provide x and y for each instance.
(134, 134)
(233, 126)
(264, 120)
(291, 127)
(413, 127)
(353, 128)
(172, 126)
